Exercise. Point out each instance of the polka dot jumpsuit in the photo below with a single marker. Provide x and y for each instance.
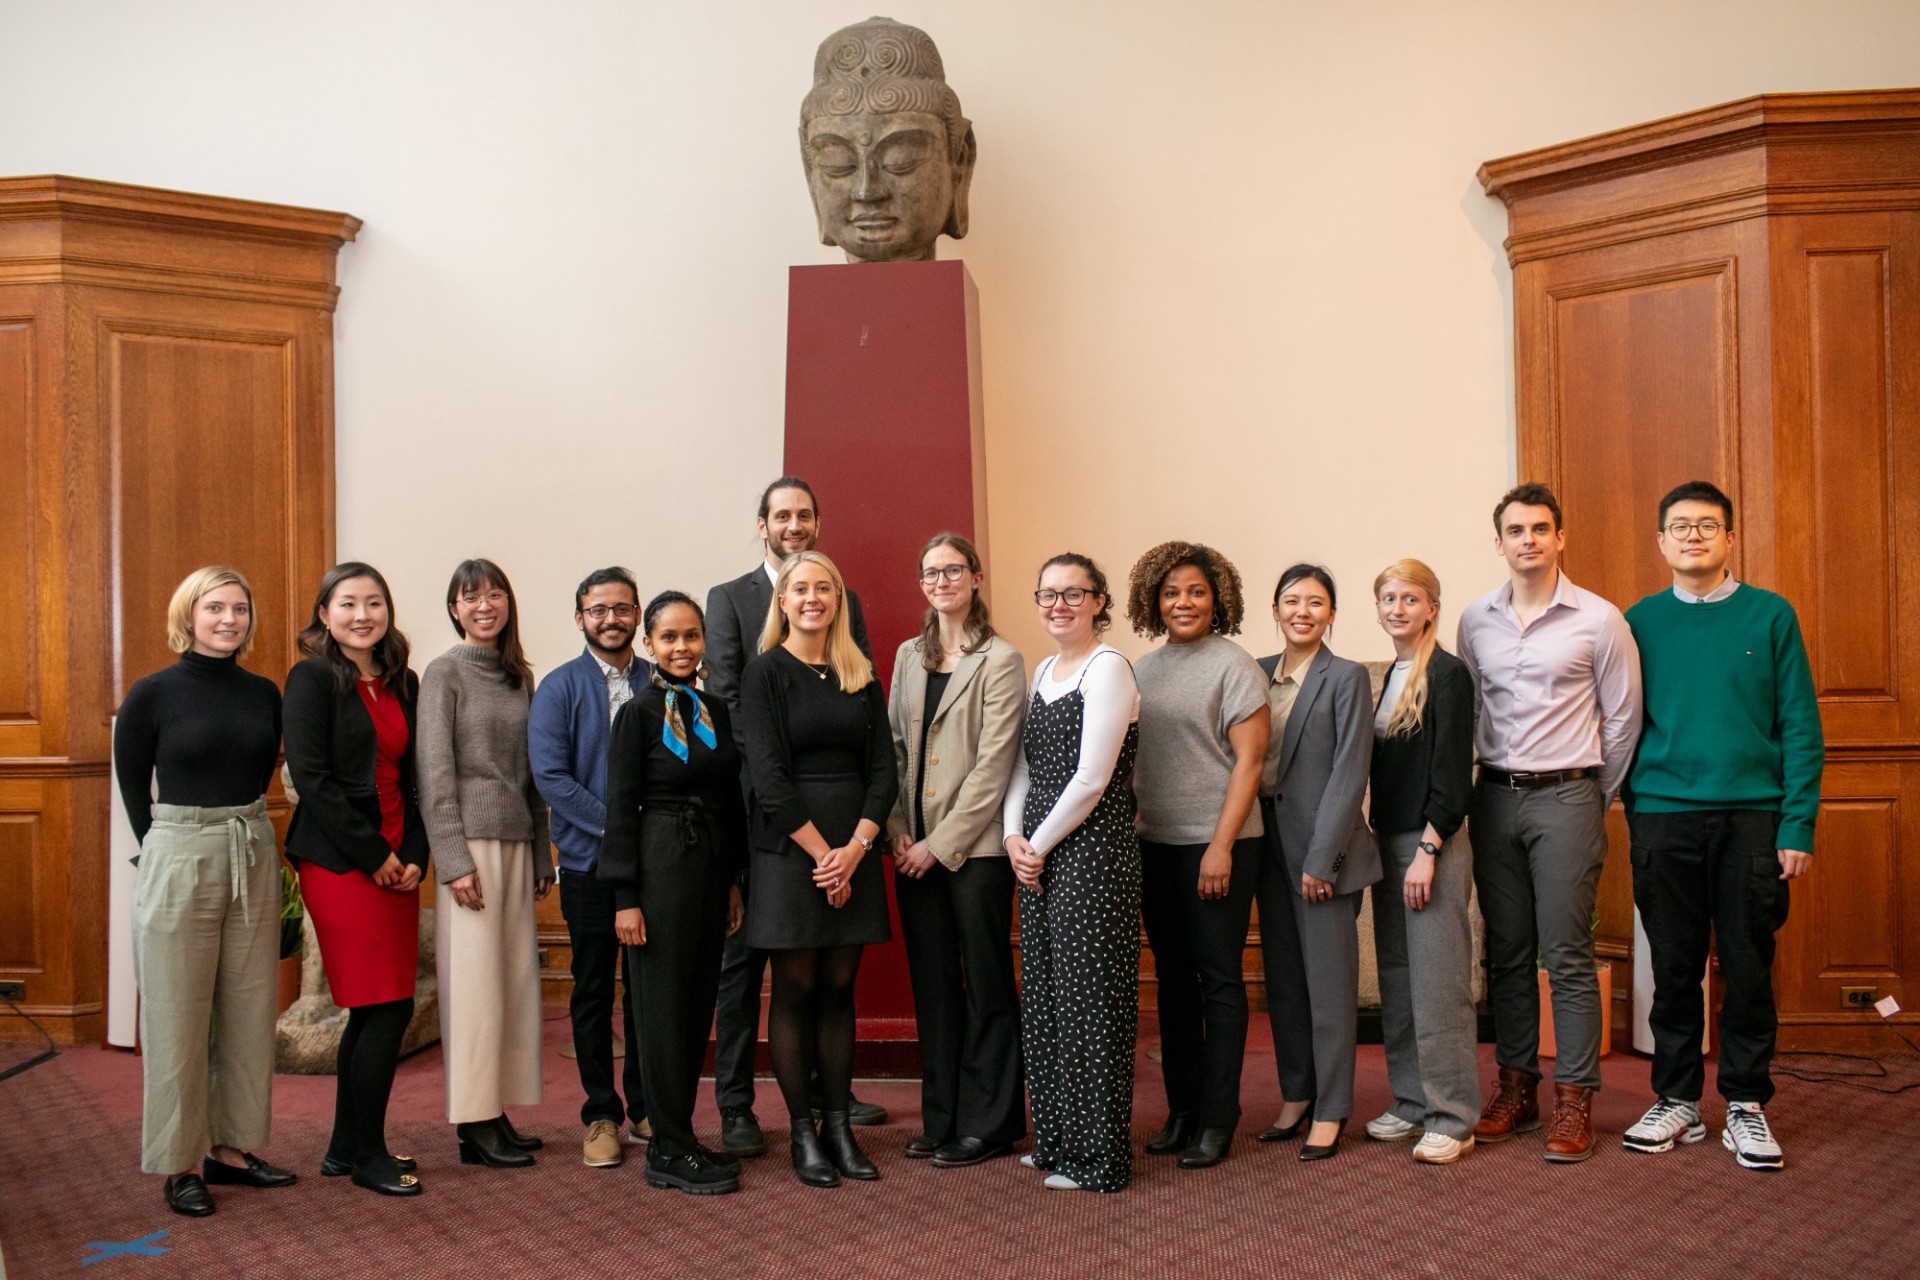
(1080, 959)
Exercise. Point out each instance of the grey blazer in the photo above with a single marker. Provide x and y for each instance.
(971, 748)
(1325, 758)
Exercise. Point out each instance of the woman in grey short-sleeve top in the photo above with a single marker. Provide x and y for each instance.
(1203, 738)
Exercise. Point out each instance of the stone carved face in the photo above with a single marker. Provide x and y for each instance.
(888, 156)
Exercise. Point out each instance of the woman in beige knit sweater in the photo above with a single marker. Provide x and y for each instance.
(488, 830)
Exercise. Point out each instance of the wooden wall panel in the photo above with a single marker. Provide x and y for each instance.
(200, 428)
(19, 860)
(19, 692)
(1847, 340)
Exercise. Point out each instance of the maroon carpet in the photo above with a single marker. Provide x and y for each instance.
(69, 1158)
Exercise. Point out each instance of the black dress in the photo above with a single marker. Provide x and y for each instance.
(814, 754)
(1080, 958)
(675, 842)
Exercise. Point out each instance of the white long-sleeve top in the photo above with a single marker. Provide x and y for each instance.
(1112, 704)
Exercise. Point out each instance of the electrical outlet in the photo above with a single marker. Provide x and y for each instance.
(1856, 997)
(15, 991)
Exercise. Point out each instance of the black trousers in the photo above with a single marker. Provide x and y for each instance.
(676, 975)
(1197, 951)
(1701, 874)
(587, 906)
(958, 928)
(736, 1021)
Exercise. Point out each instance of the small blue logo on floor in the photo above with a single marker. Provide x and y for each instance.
(144, 1247)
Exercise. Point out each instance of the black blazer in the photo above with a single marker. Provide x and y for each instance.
(736, 614)
(330, 754)
(1427, 776)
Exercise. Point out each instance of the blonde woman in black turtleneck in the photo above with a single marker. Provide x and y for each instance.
(206, 911)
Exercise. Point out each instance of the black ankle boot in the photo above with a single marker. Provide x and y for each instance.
(484, 1143)
(810, 1163)
(516, 1139)
(1209, 1148)
(1175, 1136)
(837, 1136)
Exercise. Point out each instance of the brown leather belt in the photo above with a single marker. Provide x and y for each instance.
(1533, 781)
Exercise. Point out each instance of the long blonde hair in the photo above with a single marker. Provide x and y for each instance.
(843, 655)
(1412, 705)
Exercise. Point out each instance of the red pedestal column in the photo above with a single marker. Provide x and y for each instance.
(884, 420)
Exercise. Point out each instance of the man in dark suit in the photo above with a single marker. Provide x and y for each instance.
(788, 522)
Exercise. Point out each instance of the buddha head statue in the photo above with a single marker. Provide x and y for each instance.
(888, 155)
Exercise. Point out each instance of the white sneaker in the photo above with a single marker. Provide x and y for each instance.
(1667, 1121)
(1750, 1139)
(1438, 1148)
(1061, 1182)
(1389, 1127)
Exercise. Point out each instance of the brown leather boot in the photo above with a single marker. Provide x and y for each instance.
(1513, 1108)
(1570, 1132)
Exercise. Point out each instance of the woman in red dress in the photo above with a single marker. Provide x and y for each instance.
(357, 839)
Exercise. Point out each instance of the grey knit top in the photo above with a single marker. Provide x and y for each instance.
(470, 746)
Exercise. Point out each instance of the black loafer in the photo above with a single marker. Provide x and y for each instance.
(187, 1194)
(387, 1177)
(865, 1113)
(961, 1152)
(255, 1173)
(740, 1133)
(1209, 1148)
(922, 1147)
(335, 1167)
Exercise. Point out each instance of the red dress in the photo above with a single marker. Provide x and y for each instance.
(369, 936)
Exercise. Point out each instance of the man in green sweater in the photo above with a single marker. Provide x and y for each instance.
(1721, 802)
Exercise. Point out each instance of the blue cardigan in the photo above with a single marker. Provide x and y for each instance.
(567, 734)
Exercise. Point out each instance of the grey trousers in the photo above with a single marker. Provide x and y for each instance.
(206, 949)
(1537, 859)
(1311, 955)
(1425, 960)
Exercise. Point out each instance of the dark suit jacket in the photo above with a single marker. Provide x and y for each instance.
(1427, 775)
(1324, 760)
(736, 614)
(330, 752)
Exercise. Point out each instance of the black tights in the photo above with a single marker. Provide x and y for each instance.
(369, 1055)
(810, 1026)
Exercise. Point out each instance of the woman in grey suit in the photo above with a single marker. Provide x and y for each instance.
(959, 696)
(1320, 854)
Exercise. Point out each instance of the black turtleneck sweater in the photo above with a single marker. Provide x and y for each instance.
(208, 727)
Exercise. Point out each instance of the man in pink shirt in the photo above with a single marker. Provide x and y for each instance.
(1557, 679)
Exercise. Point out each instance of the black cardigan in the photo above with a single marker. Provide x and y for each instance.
(1427, 775)
(770, 685)
(330, 756)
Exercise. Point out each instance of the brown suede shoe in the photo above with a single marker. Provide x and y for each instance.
(1513, 1108)
(1570, 1132)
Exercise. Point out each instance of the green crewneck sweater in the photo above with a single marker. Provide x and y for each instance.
(1731, 717)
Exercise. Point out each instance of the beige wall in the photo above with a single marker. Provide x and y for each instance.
(1238, 282)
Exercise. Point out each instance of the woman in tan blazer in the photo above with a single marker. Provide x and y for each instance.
(958, 698)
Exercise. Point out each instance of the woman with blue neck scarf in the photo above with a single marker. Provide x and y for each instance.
(675, 844)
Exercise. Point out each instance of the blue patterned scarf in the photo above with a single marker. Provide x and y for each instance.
(673, 729)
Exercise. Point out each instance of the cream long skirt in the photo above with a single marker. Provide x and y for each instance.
(489, 967)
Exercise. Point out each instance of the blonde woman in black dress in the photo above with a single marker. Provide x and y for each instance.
(820, 764)
(1069, 819)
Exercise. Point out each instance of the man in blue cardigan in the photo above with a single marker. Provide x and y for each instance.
(567, 732)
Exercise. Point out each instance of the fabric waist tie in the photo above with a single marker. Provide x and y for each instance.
(237, 820)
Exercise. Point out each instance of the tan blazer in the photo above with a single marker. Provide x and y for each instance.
(971, 748)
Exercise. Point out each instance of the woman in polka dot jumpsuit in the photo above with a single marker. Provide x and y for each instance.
(1074, 850)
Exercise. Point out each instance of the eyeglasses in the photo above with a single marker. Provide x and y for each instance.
(1708, 530)
(601, 612)
(494, 596)
(1072, 597)
(951, 572)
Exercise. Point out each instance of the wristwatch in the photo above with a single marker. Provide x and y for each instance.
(863, 842)
(1429, 847)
